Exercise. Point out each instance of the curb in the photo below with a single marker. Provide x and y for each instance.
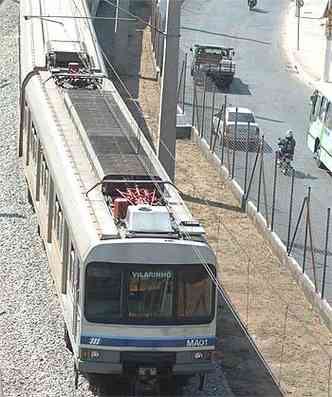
(276, 245)
(302, 74)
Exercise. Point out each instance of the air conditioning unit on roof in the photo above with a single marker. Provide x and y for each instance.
(148, 219)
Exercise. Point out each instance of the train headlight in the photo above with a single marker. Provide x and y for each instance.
(198, 355)
(87, 354)
(203, 355)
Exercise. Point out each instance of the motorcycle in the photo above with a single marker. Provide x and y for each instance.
(284, 159)
(285, 164)
(252, 4)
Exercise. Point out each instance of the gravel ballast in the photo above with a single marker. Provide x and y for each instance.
(33, 357)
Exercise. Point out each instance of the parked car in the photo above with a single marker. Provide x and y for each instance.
(245, 122)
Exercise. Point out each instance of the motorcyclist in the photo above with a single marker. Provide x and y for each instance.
(287, 145)
(252, 4)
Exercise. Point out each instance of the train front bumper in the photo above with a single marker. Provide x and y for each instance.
(122, 368)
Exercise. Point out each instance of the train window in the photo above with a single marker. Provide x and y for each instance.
(322, 110)
(71, 267)
(34, 143)
(328, 120)
(27, 117)
(194, 293)
(44, 178)
(58, 222)
(151, 294)
(103, 293)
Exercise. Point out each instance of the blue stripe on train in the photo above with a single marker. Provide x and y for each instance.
(187, 342)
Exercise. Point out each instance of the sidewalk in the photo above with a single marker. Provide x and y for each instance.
(309, 59)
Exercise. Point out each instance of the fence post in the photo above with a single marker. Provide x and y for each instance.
(306, 232)
(274, 190)
(297, 225)
(234, 141)
(247, 160)
(212, 131)
(326, 251)
(184, 81)
(290, 208)
(180, 83)
(223, 132)
(260, 173)
(246, 195)
(203, 115)
(193, 109)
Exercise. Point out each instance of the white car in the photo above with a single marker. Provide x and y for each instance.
(245, 122)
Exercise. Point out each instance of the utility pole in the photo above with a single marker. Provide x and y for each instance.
(168, 99)
(328, 46)
(299, 5)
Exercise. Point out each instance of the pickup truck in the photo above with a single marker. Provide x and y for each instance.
(216, 62)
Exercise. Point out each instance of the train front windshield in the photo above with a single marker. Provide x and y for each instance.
(139, 294)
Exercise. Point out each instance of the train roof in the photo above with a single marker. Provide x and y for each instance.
(110, 135)
(101, 160)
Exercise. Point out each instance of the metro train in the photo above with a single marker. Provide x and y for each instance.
(131, 266)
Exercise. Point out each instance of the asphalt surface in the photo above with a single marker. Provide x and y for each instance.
(269, 85)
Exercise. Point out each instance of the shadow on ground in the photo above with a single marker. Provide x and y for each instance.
(243, 367)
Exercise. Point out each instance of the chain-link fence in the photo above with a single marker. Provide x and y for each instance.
(293, 211)
(290, 209)
(284, 326)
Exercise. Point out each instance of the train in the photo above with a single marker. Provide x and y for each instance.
(132, 268)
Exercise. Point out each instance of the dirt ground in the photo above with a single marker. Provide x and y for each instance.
(288, 332)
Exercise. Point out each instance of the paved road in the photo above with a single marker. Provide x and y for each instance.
(266, 83)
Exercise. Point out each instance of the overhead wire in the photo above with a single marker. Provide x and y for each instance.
(187, 236)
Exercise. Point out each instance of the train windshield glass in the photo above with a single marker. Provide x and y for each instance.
(103, 292)
(150, 294)
(135, 294)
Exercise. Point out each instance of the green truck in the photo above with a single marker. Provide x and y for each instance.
(214, 62)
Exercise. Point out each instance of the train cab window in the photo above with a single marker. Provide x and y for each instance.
(194, 293)
(103, 293)
(120, 293)
(150, 294)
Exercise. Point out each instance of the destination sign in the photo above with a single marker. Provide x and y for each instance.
(152, 275)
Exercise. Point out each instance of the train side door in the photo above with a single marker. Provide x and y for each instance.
(76, 312)
(73, 286)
